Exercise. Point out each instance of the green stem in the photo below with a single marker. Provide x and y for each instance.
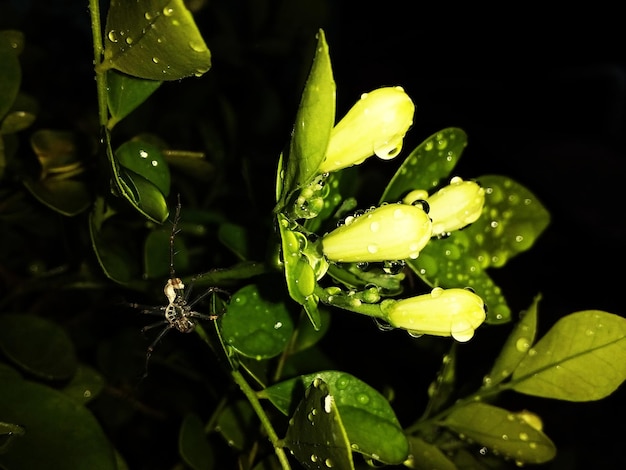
(98, 51)
(265, 422)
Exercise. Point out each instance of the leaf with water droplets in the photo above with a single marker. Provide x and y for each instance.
(428, 164)
(314, 121)
(368, 418)
(316, 436)
(515, 348)
(581, 358)
(155, 40)
(501, 431)
(125, 93)
(147, 161)
(254, 325)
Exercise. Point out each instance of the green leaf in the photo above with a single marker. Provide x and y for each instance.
(316, 436)
(501, 431)
(86, 384)
(581, 358)
(314, 121)
(147, 161)
(369, 420)
(155, 40)
(126, 93)
(517, 345)
(237, 423)
(235, 238)
(426, 456)
(21, 115)
(8, 432)
(193, 445)
(156, 254)
(37, 346)
(299, 274)
(10, 71)
(442, 388)
(255, 326)
(428, 164)
(511, 221)
(65, 435)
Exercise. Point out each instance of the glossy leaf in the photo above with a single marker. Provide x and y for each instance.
(516, 346)
(147, 161)
(38, 346)
(8, 433)
(85, 385)
(125, 93)
(10, 71)
(316, 436)
(299, 274)
(369, 420)
(511, 221)
(426, 456)
(314, 121)
(581, 358)
(427, 165)
(64, 433)
(155, 40)
(65, 196)
(235, 238)
(21, 115)
(193, 445)
(255, 326)
(501, 431)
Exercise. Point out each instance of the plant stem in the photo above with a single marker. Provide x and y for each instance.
(101, 81)
(265, 422)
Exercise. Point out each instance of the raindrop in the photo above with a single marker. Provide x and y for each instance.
(143, 154)
(129, 40)
(147, 15)
(522, 345)
(112, 36)
(168, 11)
(372, 248)
(154, 163)
(523, 436)
(313, 458)
(362, 398)
(505, 437)
(328, 463)
(155, 60)
(278, 325)
(197, 46)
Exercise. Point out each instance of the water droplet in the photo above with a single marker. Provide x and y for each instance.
(522, 345)
(375, 226)
(372, 248)
(342, 382)
(278, 325)
(129, 40)
(112, 36)
(328, 463)
(197, 46)
(487, 381)
(147, 15)
(313, 458)
(155, 60)
(154, 163)
(362, 398)
(505, 437)
(168, 11)
(523, 436)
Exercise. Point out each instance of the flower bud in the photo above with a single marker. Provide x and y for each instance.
(443, 312)
(455, 206)
(389, 232)
(376, 124)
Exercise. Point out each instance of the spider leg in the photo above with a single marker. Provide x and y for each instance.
(155, 342)
(154, 325)
(210, 290)
(148, 309)
(202, 316)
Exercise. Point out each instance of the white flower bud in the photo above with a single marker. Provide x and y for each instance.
(455, 206)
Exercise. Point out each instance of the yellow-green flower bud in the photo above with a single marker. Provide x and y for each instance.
(389, 232)
(443, 312)
(455, 206)
(376, 124)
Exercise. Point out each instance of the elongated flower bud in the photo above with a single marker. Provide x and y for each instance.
(455, 206)
(376, 124)
(443, 312)
(389, 232)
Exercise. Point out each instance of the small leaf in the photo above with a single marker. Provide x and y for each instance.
(428, 164)
(237, 424)
(369, 420)
(517, 345)
(193, 445)
(37, 346)
(426, 456)
(581, 358)
(147, 161)
(314, 121)
(255, 326)
(126, 93)
(316, 436)
(86, 384)
(21, 115)
(234, 237)
(441, 389)
(65, 434)
(155, 40)
(8, 432)
(501, 431)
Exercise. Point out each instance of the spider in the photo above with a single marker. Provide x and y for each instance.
(179, 313)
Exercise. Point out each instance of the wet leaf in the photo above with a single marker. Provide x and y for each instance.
(126, 93)
(193, 445)
(314, 121)
(21, 115)
(426, 456)
(369, 420)
(316, 436)
(147, 161)
(237, 424)
(38, 346)
(255, 326)
(65, 434)
(9, 432)
(581, 358)
(428, 164)
(501, 431)
(155, 40)
(517, 345)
